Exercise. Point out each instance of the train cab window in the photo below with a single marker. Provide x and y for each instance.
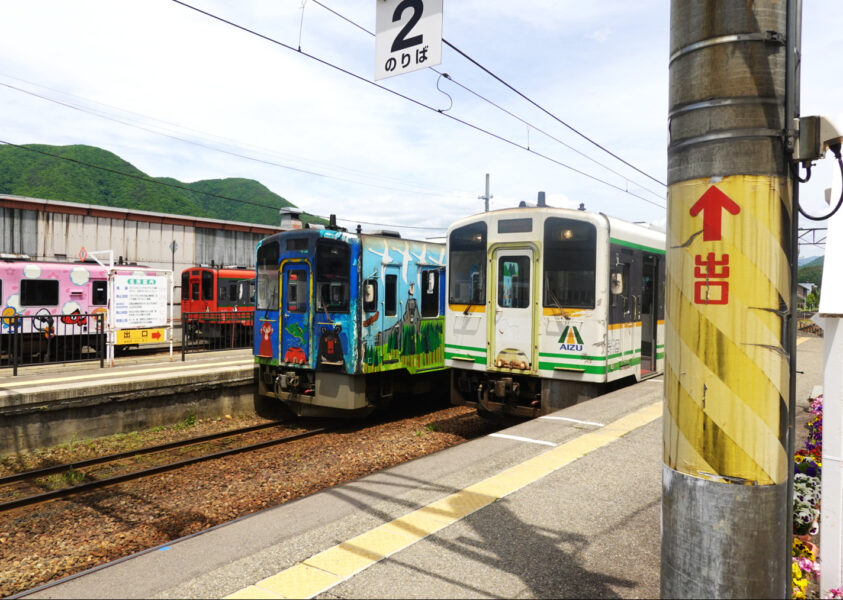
(39, 292)
(185, 286)
(390, 305)
(99, 292)
(194, 290)
(267, 276)
(514, 281)
(332, 275)
(370, 295)
(430, 293)
(570, 256)
(467, 264)
(297, 291)
(207, 285)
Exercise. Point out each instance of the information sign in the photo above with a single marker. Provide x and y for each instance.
(408, 36)
(140, 301)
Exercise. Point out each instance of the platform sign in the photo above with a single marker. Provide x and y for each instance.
(140, 336)
(139, 301)
(408, 36)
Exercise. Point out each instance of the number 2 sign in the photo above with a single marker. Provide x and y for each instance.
(408, 36)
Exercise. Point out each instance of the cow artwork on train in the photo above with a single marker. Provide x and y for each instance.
(345, 322)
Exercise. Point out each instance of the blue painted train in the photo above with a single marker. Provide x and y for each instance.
(346, 321)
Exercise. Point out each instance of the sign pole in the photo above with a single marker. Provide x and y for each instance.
(726, 522)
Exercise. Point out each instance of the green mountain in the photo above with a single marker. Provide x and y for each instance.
(33, 170)
(812, 271)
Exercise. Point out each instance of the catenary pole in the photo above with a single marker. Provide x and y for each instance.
(728, 377)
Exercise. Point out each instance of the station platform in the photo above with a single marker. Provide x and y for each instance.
(50, 404)
(566, 505)
(561, 506)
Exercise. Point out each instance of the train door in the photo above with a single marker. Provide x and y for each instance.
(623, 308)
(295, 313)
(512, 336)
(649, 320)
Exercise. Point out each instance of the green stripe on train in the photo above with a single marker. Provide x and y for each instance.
(472, 348)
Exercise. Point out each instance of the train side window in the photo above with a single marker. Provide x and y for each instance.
(207, 285)
(430, 293)
(99, 292)
(370, 295)
(39, 292)
(390, 307)
(185, 286)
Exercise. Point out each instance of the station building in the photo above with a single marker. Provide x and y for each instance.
(52, 230)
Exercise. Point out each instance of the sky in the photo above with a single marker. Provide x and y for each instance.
(180, 94)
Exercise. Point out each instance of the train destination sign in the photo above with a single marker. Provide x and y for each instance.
(139, 301)
(408, 36)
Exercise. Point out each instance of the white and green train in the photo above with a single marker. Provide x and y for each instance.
(549, 306)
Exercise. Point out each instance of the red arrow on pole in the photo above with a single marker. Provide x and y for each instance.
(711, 204)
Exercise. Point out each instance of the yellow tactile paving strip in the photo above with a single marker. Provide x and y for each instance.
(334, 565)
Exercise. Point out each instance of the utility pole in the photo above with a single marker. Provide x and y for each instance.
(730, 348)
(487, 197)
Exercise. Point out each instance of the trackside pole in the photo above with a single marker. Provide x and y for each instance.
(728, 374)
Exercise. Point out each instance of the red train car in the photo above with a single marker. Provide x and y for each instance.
(215, 292)
(205, 289)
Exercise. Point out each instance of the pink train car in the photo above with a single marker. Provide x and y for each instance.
(57, 301)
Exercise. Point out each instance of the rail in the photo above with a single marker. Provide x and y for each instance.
(51, 338)
(209, 331)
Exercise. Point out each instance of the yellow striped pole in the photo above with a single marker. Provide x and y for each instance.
(725, 511)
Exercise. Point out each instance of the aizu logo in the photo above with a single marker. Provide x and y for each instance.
(571, 339)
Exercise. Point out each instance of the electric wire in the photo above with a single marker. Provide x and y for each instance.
(215, 148)
(413, 100)
(504, 110)
(188, 189)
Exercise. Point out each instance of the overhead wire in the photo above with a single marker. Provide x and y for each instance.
(409, 99)
(509, 113)
(217, 148)
(29, 148)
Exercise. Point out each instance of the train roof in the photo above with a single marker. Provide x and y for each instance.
(643, 233)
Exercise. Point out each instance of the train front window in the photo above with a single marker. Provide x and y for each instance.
(185, 286)
(514, 281)
(467, 264)
(267, 276)
(332, 276)
(570, 249)
(297, 291)
(207, 285)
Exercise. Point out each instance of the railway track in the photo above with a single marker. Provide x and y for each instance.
(13, 485)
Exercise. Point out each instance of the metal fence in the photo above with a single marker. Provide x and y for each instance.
(208, 331)
(48, 338)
